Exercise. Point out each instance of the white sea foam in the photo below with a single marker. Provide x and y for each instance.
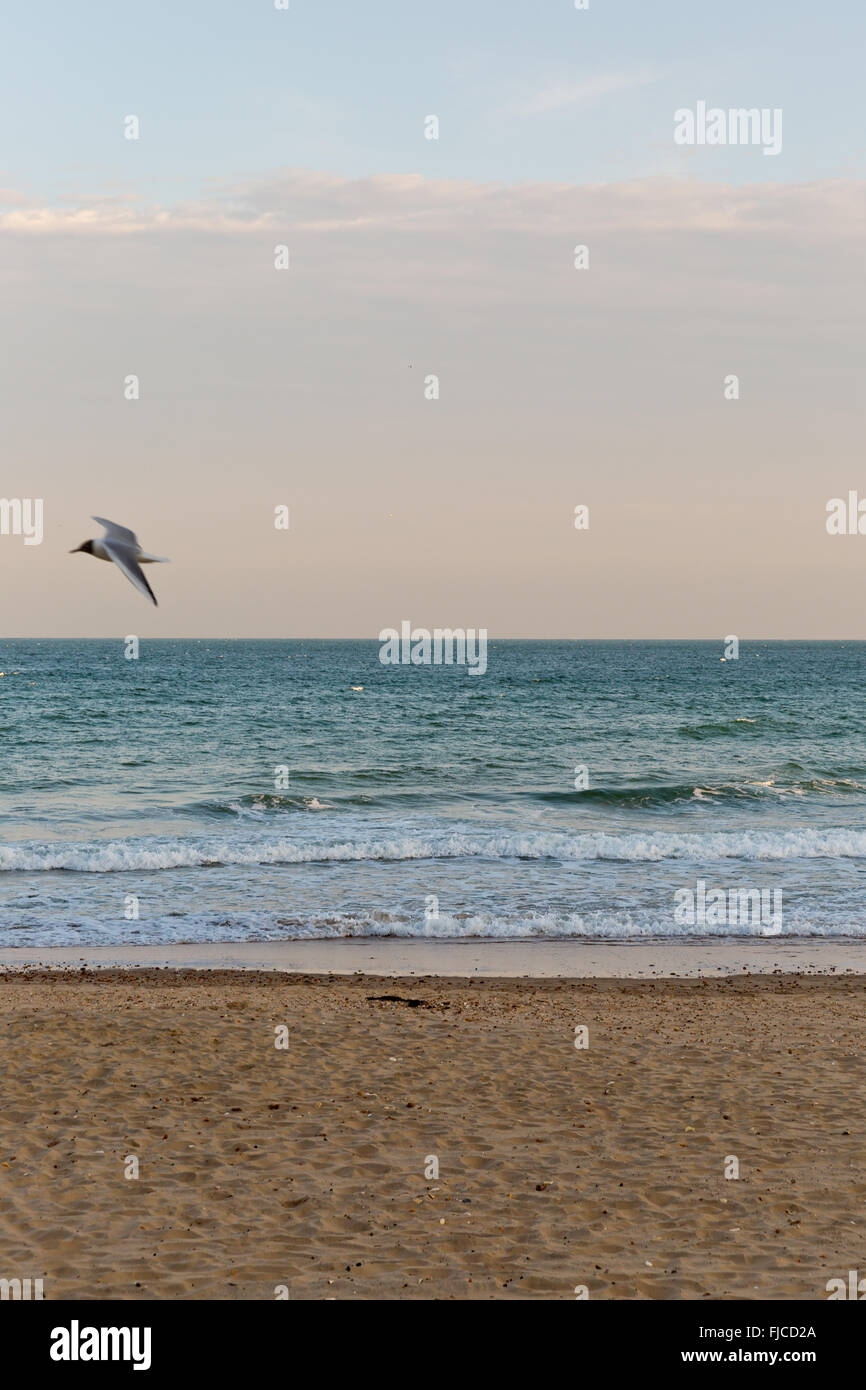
(593, 925)
(647, 847)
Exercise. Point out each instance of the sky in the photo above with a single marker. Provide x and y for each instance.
(411, 258)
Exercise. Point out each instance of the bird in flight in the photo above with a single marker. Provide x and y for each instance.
(121, 546)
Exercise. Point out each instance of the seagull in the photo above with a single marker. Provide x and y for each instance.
(121, 545)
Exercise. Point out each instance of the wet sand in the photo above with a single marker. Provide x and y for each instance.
(575, 958)
(312, 1167)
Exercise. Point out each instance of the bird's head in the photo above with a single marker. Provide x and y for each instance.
(86, 546)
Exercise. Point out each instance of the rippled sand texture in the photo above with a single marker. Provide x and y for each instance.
(558, 1167)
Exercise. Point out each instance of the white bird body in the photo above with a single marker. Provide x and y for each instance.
(120, 545)
(101, 552)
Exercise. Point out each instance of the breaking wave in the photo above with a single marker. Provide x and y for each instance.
(649, 846)
(240, 927)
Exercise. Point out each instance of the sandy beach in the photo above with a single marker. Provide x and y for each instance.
(688, 958)
(311, 1167)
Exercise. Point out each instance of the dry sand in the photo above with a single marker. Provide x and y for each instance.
(558, 1167)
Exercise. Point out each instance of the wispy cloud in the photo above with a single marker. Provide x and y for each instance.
(559, 96)
(293, 201)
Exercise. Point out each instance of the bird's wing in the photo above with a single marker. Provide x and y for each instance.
(124, 557)
(113, 532)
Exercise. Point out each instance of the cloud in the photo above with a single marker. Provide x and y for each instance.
(301, 201)
(13, 197)
(559, 96)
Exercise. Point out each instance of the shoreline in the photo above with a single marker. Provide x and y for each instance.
(403, 958)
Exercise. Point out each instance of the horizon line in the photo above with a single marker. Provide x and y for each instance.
(377, 640)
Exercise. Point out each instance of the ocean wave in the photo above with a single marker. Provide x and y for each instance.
(741, 724)
(635, 847)
(663, 794)
(261, 806)
(640, 924)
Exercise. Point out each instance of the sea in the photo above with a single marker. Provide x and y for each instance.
(231, 791)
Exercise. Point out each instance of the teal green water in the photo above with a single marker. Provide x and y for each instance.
(155, 780)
